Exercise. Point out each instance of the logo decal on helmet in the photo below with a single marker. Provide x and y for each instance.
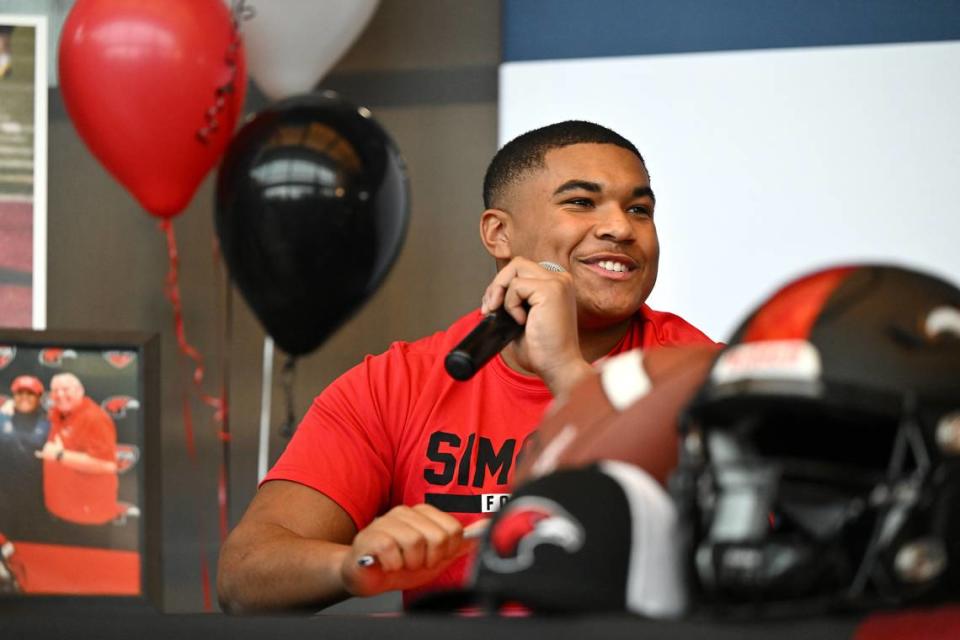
(768, 360)
(524, 524)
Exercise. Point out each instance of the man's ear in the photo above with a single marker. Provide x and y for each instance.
(495, 229)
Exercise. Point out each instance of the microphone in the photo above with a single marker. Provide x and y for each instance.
(495, 331)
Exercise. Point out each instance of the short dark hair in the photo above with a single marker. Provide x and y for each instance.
(527, 151)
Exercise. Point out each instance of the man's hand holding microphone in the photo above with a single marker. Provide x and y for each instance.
(530, 312)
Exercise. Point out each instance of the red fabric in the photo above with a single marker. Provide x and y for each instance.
(16, 240)
(397, 429)
(16, 235)
(78, 496)
(16, 305)
(941, 623)
(791, 313)
(27, 383)
(54, 568)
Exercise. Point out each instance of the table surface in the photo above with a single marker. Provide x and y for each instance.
(123, 620)
(131, 623)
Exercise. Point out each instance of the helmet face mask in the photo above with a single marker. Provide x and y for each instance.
(808, 477)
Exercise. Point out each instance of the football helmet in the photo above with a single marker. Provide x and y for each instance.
(820, 461)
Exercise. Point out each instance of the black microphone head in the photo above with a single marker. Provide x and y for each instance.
(459, 365)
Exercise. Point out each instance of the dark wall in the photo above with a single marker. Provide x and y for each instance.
(427, 69)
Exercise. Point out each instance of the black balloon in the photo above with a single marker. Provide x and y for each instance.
(312, 207)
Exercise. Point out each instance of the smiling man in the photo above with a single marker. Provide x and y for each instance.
(395, 458)
(588, 207)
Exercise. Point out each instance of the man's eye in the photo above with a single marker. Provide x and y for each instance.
(640, 210)
(580, 202)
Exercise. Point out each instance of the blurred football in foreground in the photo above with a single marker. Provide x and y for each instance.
(627, 412)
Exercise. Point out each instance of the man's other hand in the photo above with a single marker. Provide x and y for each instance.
(410, 547)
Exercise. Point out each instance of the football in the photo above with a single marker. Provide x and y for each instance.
(628, 411)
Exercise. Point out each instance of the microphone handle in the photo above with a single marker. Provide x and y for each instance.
(495, 331)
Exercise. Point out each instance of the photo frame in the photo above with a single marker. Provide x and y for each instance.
(80, 467)
(23, 170)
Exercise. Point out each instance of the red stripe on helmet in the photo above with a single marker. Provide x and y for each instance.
(791, 313)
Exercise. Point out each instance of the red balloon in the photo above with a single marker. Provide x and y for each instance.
(155, 90)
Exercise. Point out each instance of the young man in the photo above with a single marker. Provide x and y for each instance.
(395, 457)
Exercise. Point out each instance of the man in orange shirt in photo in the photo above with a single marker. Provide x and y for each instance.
(79, 458)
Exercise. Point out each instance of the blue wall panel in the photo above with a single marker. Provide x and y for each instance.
(557, 29)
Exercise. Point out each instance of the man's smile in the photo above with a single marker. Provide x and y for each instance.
(611, 266)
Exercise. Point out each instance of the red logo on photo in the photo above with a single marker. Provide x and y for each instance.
(7, 354)
(119, 359)
(117, 406)
(53, 357)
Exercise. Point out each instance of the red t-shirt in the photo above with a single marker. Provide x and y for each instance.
(78, 496)
(397, 429)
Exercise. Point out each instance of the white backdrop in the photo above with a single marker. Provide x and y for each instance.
(770, 163)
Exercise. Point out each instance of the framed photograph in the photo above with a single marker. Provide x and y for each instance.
(23, 170)
(79, 465)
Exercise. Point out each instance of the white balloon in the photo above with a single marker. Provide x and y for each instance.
(291, 44)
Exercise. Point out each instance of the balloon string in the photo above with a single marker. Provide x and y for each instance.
(205, 580)
(172, 291)
(224, 340)
(222, 497)
(201, 530)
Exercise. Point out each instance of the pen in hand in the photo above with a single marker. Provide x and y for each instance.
(470, 532)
